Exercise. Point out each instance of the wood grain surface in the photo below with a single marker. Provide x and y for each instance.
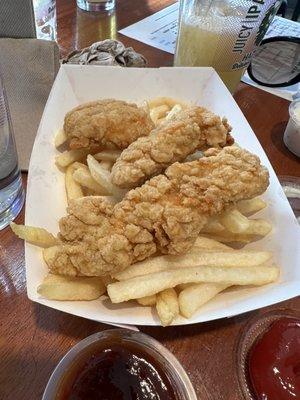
(33, 338)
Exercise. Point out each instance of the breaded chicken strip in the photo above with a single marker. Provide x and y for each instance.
(165, 214)
(106, 123)
(194, 128)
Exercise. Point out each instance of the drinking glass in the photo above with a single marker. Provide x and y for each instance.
(94, 27)
(96, 5)
(11, 190)
(222, 34)
(45, 19)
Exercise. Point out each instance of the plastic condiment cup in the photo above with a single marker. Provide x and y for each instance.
(256, 327)
(174, 370)
(291, 135)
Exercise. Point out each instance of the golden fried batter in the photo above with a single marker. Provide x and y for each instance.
(165, 214)
(106, 123)
(194, 128)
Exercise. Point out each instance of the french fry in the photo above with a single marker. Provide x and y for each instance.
(169, 101)
(106, 165)
(76, 165)
(258, 227)
(147, 300)
(102, 177)
(205, 244)
(183, 286)
(234, 221)
(108, 155)
(57, 287)
(141, 286)
(209, 244)
(174, 110)
(60, 137)
(195, 295)
(69, 156)
(73, 188)
(249, 207)
(159, 112)
(217, 258)
(228, 237)
(36, 236)
(167, 306)
(84, 177)
(213, 226)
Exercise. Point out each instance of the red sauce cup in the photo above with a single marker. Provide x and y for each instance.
(252, 332)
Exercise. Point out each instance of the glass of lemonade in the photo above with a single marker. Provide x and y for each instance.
(222, 34)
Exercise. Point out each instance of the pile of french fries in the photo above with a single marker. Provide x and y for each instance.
(174, 285)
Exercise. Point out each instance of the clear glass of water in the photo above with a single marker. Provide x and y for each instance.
(45, 19)
(11, 189)
(96, 5)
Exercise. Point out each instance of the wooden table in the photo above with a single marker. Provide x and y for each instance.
(34, 338)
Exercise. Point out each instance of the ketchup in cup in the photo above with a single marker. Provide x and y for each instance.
(274, 362)
(268, 356)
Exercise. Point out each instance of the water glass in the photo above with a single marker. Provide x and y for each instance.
(94, 27)
(45, 19)
(96, 5)
(11, 190)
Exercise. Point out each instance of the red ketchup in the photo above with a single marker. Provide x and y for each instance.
(274, 362)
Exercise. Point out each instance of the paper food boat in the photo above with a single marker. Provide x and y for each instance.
(46, 201)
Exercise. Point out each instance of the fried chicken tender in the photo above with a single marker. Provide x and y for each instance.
(106, 123)
(166, 214)
(194, 128)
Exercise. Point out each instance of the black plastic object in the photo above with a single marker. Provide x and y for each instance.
(276, 62)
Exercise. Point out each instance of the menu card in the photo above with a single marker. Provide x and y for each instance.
(159, 30)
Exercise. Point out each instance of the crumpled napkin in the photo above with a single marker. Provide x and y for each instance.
(107, 52)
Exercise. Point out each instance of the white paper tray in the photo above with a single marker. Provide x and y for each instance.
(46, 201)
